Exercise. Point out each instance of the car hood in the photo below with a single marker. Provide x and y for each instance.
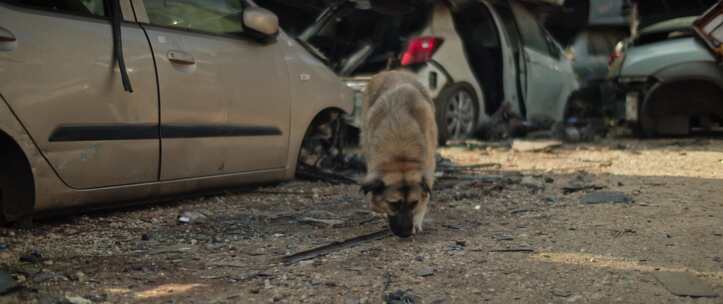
(647, 59)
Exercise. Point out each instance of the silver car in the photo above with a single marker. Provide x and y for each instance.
(118, 102)
(471, 55)
(669, 82)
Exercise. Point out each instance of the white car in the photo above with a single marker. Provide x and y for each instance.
(472, 55)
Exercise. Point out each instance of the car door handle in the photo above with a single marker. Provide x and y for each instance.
(182, 58)
(6, 36)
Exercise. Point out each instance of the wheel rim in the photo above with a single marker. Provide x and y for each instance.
(460, 115)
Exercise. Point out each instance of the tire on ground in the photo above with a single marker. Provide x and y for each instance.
(670, 106)
(17, 187)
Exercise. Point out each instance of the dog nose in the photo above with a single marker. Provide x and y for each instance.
(401, 225)
(402, 233)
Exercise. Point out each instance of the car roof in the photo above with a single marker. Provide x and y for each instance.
(676, 24)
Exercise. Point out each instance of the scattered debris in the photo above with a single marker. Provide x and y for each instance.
(170, 249)
(32, 257)
(603, 197)
(78, 276)
(561, 293)
(504, 123)
(425, 272)
(77, 300)
(400, 297)
(452, 226)
(457, 246)
(48, 276)
(97, 297)
(328, 222)
(520, 145)
(452, 168)
(533, 182)
(306, 172)
(188, 217)
(3, 247)
(514, 249)
(503, 236)
(518, 211)
(333, 247)
(7, 283)
(502, 179)
(352, 300)
(576, 187)
(620, 233)
(684, 284)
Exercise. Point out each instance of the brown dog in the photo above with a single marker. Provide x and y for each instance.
(399, 140)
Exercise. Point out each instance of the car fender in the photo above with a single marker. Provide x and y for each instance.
(699, 71)
(43, 175)
(696, 70)
(314, 89)
(650, 59)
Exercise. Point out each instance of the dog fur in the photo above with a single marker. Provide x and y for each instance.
(399, 141)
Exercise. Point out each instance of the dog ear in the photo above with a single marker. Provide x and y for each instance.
(425, 188)
(376, 186)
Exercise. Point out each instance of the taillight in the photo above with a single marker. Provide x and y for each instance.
(421, 50)
(616, 53)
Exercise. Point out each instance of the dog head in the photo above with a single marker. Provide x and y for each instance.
(404, 203)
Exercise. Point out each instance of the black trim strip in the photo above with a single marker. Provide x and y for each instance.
(103, 132)
(195, 131)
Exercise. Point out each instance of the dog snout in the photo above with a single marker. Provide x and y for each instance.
(402, 224)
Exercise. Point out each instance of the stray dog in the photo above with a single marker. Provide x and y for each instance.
(399, 140)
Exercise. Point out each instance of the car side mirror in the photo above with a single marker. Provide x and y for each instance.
(261, 24)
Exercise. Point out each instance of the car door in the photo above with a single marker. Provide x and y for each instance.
(544, 81)
(58, 75)
(225, 101)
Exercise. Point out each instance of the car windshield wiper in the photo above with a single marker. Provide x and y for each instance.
(116, 18)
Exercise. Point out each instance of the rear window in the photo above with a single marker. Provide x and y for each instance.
(662, 36)
(532, 33)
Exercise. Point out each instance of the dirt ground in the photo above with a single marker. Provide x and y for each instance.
(511, 228)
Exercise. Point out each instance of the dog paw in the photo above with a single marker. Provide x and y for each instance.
(417, 229)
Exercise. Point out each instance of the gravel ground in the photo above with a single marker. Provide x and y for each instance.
(504, 227)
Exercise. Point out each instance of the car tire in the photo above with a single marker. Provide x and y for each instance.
(645, 127)
(457, 110)
(16, 191)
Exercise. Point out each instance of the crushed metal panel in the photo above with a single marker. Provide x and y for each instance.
(709, 27)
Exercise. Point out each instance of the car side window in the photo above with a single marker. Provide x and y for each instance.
(210, 16)
(532, 34)
(513, 31)
(552, 45)
(76, 7)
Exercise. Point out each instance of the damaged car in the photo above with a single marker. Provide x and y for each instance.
(472, 56)
(668, 81)
(127, 101)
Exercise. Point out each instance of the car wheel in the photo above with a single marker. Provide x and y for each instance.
(457, 109)
(645, 127)
(16, 191)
